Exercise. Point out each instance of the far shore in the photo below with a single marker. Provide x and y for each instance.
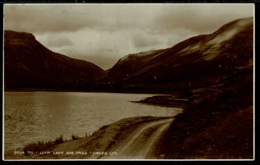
(98, 90)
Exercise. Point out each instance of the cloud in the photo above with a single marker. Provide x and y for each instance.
(58, 42)
(144, 41)
(198, 18)
(46, 18)
(70, 18)
(160, 18)
(105, 62)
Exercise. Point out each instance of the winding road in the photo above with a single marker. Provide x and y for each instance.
(140, 143)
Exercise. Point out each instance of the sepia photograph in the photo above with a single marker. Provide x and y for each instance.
(162, 81)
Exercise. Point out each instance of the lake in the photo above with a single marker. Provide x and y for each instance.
(33, 116)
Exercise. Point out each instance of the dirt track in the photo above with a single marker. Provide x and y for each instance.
(141, 142)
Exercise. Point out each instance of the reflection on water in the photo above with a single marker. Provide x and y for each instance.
(34, 116)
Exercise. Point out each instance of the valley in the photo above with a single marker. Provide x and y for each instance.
(210, 76)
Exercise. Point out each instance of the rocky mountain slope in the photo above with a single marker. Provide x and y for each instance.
(27, 63)
(198, 61)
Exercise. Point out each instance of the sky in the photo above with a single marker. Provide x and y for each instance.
(104, 33)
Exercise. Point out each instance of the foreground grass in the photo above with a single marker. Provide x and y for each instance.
(42, 146)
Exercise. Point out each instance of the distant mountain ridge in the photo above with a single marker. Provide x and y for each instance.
(132, 63)
(27, 63)
(195, 62)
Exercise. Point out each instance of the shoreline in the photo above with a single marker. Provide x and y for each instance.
(165, 101)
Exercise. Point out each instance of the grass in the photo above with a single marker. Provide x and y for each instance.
(42, 146)
(39, 146)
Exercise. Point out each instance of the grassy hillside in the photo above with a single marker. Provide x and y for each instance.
(218, 123)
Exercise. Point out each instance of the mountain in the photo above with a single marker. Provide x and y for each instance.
(132, 63)
(196, 62)
(199, 61)
(211, 78)
(218, 122)
(27, 63)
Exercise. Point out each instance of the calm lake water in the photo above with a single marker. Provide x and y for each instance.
(33, 116)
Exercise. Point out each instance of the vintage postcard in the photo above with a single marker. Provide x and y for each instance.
(128, 82)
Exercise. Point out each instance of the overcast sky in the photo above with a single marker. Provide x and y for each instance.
(104, 33)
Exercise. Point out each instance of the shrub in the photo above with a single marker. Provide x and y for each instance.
(59, 140)
(74, 137)
(41, 145)
(38, 146)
